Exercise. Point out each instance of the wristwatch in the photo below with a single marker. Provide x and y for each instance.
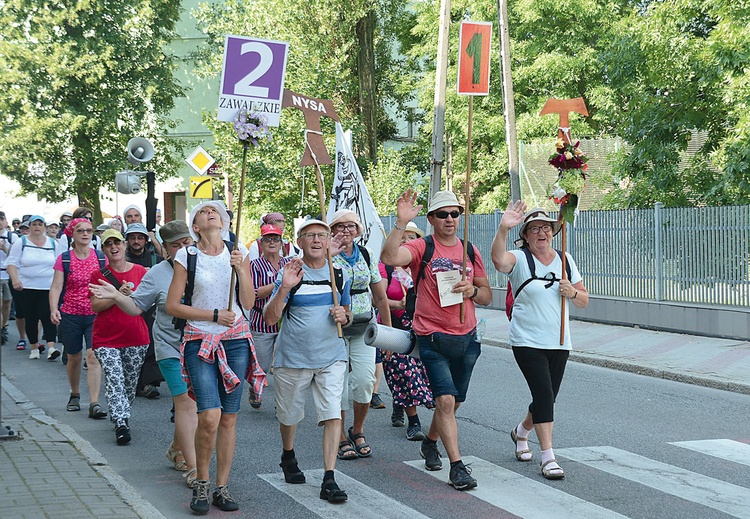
(476, 291)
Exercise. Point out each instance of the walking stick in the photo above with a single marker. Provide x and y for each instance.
(233, 279)
(467, 199)
(564, 276)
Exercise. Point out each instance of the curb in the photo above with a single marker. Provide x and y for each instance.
(94, 458)
(605, 362)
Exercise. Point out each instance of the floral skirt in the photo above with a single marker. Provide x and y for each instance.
(407, 380)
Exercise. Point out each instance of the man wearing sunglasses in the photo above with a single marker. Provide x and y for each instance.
(448, 348)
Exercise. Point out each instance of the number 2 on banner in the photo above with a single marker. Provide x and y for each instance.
(245, 85)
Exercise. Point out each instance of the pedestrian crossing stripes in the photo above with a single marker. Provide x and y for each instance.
(691, 486)
(364, 502)
(513, 493)
(724, 449)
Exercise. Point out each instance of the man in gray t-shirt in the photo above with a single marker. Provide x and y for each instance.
(309, 351)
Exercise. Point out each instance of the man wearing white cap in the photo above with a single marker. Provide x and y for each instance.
(448, 348)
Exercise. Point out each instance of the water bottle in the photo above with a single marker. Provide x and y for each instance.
(481, 329)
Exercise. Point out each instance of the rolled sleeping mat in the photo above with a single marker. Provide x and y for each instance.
(391, 339)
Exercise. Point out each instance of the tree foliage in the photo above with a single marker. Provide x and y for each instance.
(81, 78)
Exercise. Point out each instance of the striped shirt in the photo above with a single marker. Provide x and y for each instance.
(264, 273)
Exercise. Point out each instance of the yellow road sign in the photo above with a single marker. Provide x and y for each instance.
(201, 187)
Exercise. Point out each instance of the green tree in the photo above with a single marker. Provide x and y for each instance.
(80, 79)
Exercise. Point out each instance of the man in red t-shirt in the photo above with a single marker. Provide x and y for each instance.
(448, 348)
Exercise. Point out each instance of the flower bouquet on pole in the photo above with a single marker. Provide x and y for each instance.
(251, 128)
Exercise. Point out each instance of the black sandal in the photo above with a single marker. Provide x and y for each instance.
(331, 492)
(74, 402)
(345, 448)
(359, 448)
(292, 473)
(96, 412)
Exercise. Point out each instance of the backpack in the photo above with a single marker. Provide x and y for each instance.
(510, 297)
(338, 275)
(411, 294)
(65, 257)
(25, 243)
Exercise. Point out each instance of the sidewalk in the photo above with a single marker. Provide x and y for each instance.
(704, 361)
(50, 471)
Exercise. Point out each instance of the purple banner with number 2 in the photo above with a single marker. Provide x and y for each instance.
(254, 68)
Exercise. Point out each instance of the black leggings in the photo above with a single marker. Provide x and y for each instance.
(35, 306)
(543, 371)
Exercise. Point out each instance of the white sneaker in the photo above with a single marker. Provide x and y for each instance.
(34, 354)
(53, 353)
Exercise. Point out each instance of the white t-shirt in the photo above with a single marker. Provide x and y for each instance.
(536, 312)
(34, 263)
(211, 290)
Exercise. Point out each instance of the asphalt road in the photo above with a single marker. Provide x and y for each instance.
(617, 435)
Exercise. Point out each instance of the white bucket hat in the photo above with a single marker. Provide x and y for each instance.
(220, 208)
(347, 215)
(444, 199)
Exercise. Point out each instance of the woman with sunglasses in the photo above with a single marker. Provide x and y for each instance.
(366, 280)
(535, 327)
(70, 309)
(87, 214)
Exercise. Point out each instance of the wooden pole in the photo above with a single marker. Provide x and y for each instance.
(509, 106)
(233, 279)
(564, 276)
(467, 200)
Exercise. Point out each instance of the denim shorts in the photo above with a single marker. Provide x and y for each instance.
(172, 372)
(73, 329)
(206, 380)
(449, 361)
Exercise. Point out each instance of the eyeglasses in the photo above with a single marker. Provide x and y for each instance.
(271, 239)
(111, 243)
(84, 231)
(537, 230)
(313, 235)
(445, 214)
(351, 227)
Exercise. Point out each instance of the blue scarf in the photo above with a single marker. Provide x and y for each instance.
(354, 258)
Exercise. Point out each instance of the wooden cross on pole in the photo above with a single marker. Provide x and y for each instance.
(564, 107)
(315, 155)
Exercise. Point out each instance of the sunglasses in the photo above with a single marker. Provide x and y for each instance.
(445, 214)
(271, 239)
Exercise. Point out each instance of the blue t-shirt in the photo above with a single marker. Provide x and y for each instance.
(308, 337)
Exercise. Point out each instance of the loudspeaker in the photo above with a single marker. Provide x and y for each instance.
(140, 150)
(128, 184)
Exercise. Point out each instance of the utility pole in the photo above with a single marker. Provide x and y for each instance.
(441, 79)
(509, 106)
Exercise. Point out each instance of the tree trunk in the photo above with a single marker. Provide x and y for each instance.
(367, 92)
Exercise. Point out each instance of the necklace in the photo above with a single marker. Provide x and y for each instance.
(210, 252)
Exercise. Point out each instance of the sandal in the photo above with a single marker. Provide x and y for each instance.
(346, 451)
(74, 402)
(95, 411)
(190, 477)
(520, 454)
(331, 492)
(552, 472)
(360, 448)
(172, 456)
(292, 473)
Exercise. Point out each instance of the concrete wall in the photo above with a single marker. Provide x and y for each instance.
(711, 321)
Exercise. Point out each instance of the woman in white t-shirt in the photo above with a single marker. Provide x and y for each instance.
(535, 328)
(217, 347)
(29, 265)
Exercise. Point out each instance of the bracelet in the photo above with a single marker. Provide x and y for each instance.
(348, 319)
(476, 291)
(575, 295)
(395, 226)
(216, 315)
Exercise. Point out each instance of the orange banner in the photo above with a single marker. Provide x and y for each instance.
(474, 58)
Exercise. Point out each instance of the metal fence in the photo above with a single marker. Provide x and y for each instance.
(688, 255)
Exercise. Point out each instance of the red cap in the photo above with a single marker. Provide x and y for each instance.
(270, 229)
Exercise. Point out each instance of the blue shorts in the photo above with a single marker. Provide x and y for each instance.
(73, 329)
(449, 361)
(172, 373)
(205, 377)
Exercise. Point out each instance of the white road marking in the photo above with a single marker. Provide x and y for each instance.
(730, 450)
(520, 495)
(691, 486)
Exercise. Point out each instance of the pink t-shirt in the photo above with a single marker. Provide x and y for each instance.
(429, 316)
(395, 290)
(76, 297)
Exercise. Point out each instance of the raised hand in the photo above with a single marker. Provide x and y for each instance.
(293, 273)
(103, 290)
(513, 215)
(406, 210)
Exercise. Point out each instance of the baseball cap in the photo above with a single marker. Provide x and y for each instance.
(174, 230)
(308, 223)
(111, 233)
(270, 229)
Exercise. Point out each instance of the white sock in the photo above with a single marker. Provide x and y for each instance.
(546, 456)
(520, 431)
(521, 445)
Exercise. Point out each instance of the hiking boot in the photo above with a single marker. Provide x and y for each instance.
(397, 416)
(414, 433)
(431, 455)
(122, 435)
(460, 477)
(224, 500)
(376, 402)
(199, 502)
